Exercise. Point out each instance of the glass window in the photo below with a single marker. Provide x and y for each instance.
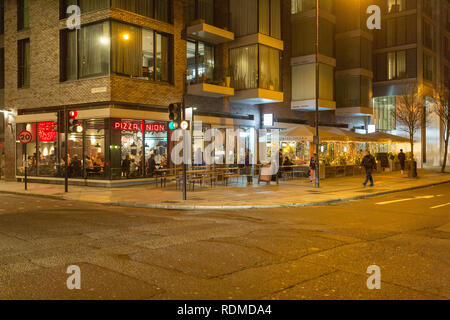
(243, 62)
(2, 16)
(92, 5)
(270, 18)
(156, 144)
(303, 84)
(162, 58)
(29, 150)
(71, 61)
(148, 47)
(132, 148)
(24, 63)
(2, 69)
(244, 20)
(85, 52)
(133, 53)
(244, 67)
(306, 5)
(126, 48)
(93, 59)
(384, 113)
(158, 9)
(47, 134)
(74, 154)
(395, 6)
(428, 67)
(94, 149)
(200, 60)
(269, 68)
(23, 14)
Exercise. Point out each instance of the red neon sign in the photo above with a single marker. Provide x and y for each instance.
(47, 131)
(133, 126)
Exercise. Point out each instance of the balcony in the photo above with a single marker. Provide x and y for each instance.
(199, 30)
(210, 83)
(206, 23)
(258, 96)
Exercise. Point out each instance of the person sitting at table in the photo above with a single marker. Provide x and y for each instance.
(134, 168)
(75, 166)
(151, 165)
(163, 162)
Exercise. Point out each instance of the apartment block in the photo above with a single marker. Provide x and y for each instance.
(232, 62)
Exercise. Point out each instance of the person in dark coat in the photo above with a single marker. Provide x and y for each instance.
(151, 165)
(369, 164)
(402, 159)
(313, 167)
(248, 167)
(126, 164)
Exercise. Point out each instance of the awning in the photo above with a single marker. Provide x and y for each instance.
(386, 137)
(307, 133)
(331, 134)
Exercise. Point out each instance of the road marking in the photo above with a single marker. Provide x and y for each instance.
(441, 206)
(403, 200)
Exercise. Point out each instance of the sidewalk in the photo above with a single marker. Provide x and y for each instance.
(293, 193)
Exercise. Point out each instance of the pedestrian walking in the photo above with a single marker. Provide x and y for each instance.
(369, 164)
(313, 167)
(402, 159)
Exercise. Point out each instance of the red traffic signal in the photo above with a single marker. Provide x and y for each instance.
(74, 125)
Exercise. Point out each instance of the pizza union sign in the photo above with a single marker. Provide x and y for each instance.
(135, 126)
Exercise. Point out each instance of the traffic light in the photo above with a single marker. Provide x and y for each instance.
(175, 111)
(74, 125)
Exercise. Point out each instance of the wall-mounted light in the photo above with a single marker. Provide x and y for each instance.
(126, 36)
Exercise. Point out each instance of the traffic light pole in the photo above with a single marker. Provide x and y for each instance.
(66, 156)
(185, 153)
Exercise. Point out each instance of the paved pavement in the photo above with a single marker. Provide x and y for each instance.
(238, 195)
(319, 252)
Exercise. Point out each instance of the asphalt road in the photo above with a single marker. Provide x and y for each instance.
(293, 253)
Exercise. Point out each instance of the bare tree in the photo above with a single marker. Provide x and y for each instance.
(410, 112)
(441, 109)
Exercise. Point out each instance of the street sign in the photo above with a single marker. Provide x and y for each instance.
(25, 137)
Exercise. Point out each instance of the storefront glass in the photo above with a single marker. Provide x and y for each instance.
(47, 134)
(94, 149)
(2, 145)
(26, 154)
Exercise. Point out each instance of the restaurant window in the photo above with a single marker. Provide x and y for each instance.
(2, 145)
(2, 68)
(133, 53)
(23, 14)
(132, 148)
(47, 150)
(86, 52)
(26, 154)
(248, 74)
(156, 142)
(94, 149)
(157, 9)
(23, 57)
(200, 62)
(384, 113)
(74, 154)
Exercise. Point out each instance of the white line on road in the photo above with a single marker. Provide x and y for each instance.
(403, 200)
(441, 206)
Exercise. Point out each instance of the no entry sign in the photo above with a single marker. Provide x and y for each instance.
(25, 137)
